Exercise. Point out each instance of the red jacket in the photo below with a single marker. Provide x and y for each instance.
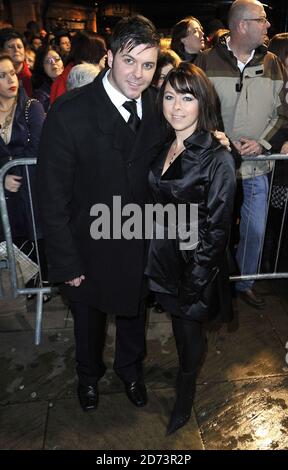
(59, 85)
(24, 76)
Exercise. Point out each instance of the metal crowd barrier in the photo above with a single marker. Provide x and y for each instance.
(274, 274)
(10, 263)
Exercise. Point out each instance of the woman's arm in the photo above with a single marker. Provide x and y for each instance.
(208, 255)
(36, 117)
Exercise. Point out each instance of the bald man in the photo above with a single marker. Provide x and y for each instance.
(250, 83)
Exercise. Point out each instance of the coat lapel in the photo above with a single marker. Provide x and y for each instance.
(112, 123)
(149, 133)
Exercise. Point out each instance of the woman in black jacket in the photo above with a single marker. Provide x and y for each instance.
(21, 120)
(188, 271)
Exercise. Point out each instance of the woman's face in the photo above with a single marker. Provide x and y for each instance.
(30, 58)
(15, 48)
(8, 80)
(194, 40)
(53, 65)
(163, 73)
(180, 110)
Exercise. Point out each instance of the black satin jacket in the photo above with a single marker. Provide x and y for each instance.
(204, 174)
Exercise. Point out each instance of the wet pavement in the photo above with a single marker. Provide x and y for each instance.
(241, 401)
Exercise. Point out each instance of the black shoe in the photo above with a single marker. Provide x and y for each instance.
(185, 389)
(158, 308)
(88, 396)
(137, 393)
(251, 298)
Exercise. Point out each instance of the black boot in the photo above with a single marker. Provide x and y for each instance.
(185, 389)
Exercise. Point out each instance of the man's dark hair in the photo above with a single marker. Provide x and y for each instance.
(131, 32)
(188, 78)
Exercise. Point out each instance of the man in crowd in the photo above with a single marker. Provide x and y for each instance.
(250, 83)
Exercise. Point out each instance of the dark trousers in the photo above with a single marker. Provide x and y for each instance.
(90, 331)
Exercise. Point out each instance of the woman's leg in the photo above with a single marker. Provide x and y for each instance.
(191, 344)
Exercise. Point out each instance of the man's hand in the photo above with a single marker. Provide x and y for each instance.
(248, 147)
(76, 282)
(223, 139)
(284, 148)
(12, 183)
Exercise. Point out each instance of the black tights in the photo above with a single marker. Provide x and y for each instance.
(190, 342)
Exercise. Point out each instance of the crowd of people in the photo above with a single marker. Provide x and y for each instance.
(153, 125)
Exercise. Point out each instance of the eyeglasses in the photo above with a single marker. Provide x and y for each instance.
(261, 20)
(52, 60)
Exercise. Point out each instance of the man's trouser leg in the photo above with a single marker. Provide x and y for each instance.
(130, 346)
(90, 332)
(252, 226)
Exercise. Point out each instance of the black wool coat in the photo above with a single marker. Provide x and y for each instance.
(88, 154)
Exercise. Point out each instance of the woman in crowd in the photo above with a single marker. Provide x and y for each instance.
(12, 43)
(191, 283)
(167, 60)
(188, 38)
(86, 47)
(48, 66)
(21, 122)
(30, 57)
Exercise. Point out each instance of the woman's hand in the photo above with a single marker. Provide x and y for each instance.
(76, 282)
(223, 139)
(12, 183)
(284, 148)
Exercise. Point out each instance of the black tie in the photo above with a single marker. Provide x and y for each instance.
(134, 120)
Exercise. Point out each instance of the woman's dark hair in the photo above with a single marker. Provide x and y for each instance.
(39, 75)
(6, 34)
(87, 46)
(279, 46)
(131, 31)
(188, 78)
(180, 31)
(59, 35)
(165, 57)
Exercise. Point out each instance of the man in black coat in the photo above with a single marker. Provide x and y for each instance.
(95, 147)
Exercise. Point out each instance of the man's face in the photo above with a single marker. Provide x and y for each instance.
(256, 25)
(132, 70)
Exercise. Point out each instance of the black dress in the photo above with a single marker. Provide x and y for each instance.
(186, 280)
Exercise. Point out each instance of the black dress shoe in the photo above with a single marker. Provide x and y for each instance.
(88, 397)
(158, 308)
(136, 392)
(251, 298)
